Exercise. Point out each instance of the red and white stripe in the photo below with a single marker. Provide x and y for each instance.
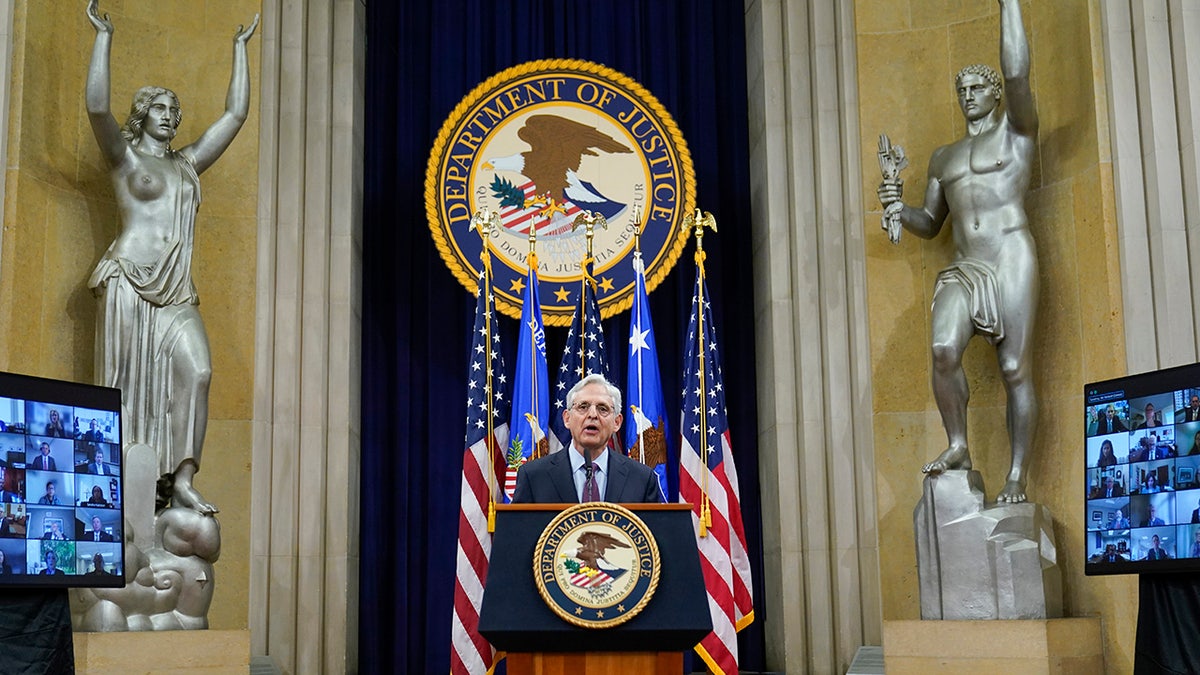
(520, 218)
(723, 557)
(470, 653)
(587, 581)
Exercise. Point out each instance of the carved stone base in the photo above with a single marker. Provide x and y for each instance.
(161, 652)
(973, 562)
(956, 647)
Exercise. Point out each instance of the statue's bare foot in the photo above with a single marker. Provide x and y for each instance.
(1013, 493)
(954, 457)
(186, 496)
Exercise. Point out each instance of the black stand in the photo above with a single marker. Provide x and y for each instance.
(35, 631)
(1168, 625)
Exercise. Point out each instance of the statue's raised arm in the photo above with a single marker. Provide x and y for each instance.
(104, 125)
(1014, 64)
(206, 149)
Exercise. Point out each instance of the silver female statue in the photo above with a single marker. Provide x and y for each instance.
(151, 341)
(991, 288)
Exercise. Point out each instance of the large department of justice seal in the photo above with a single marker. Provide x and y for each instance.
(596, 565)
(540, 143)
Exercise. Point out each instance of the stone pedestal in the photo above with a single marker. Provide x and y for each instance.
(1059, 646)
(977, 562)
(184, 652)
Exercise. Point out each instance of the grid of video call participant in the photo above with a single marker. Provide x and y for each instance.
(1143, 478)
(60, 490)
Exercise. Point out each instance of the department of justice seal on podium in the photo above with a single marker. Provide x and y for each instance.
(596, 565)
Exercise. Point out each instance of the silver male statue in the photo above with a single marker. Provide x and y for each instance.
(991, 288)
(151, 344)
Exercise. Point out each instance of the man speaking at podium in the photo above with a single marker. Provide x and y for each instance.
(588, 471)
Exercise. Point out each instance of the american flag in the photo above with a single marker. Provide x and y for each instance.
(583, 355)
(712, 488)
(483, 466)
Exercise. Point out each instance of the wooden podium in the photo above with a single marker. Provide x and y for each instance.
(515, 619)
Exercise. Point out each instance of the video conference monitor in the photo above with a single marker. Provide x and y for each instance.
(1142, 473)
(61, 508)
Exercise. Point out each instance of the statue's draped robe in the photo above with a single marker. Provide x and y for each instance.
(147, 312)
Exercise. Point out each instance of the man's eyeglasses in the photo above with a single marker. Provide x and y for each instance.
(602, 409)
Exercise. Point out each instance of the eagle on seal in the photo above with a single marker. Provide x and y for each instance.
(593, 547)
(557, 146)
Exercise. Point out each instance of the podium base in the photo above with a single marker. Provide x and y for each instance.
(177, 651)
(998, 646)
(594, 663)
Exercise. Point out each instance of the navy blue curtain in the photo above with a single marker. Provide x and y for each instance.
(422, 58)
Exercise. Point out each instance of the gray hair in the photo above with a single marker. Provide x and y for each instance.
(596, 378)
(984, 71)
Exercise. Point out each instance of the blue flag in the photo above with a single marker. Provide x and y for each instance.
(645, 425)
(531, 392)
(583, 355)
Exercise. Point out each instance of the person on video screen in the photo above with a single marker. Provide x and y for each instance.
(1152, 520)
(51, 496)
(1111, 555)
(1108, 490)
(1151, 420)
(1107, 456)
(1156, 552)
(97, 532)
(7, 497)
(97, 498)
(93, 433)
(98, 567)
(1192, 412)
(593, 416)
(55, 533)
(1109, 423)
(1151, 485)
(5, 568)
(43, 462)
(95, 464)
(51, 564)
(1196, 546)
(55, 427)
(1118, 521)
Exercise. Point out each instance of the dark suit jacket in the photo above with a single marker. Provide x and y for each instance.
(1188, 415)
(1102, 426)
(97, 469)
(89, 535)
(548, 481)
(1152, 522)
(43, 463)
(1196, 515)
(1156, 554)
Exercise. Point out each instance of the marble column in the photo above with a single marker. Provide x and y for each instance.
(1152, 63)
(814, 399)
(304, 520)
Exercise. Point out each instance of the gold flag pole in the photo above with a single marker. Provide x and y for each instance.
(698, 222)
(483, 221)
(534, 418)
(638, 269)
(589, 220)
